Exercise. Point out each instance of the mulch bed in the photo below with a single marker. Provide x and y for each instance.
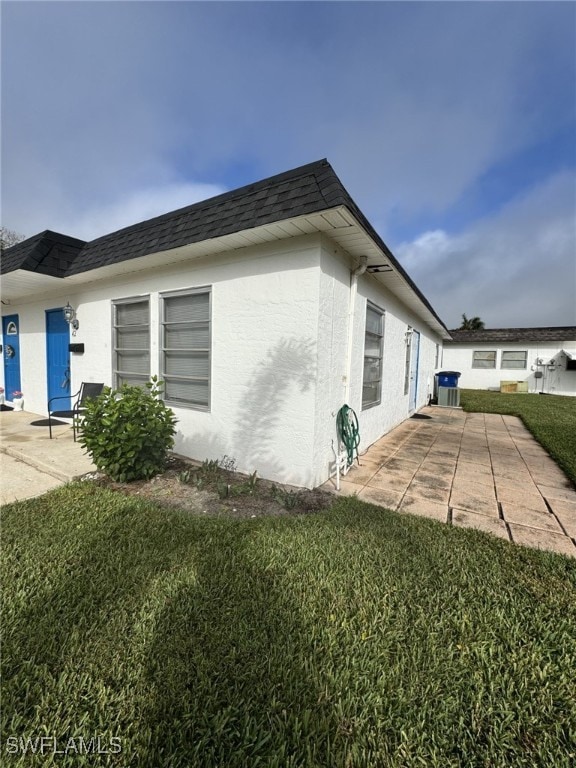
(267, 498)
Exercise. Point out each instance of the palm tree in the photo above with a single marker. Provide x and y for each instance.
(471, 324)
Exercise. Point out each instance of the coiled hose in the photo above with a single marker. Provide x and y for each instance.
(347, 426)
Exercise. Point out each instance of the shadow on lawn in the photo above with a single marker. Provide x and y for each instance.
(230, 671)
(222, 670)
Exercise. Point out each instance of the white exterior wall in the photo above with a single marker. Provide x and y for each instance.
(279, 353)
(458, 357)
(332, 357)
(394, 406)
(264, 340)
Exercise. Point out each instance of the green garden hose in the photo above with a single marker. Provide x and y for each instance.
(347, 426)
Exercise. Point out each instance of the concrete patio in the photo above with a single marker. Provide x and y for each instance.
(31, 463)
(473, 470)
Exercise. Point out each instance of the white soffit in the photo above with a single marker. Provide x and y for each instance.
(22, 283)
(338, 223)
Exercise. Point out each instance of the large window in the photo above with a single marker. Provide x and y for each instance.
(514, 359)
(186, 347)
(374, 334)
(484, 359)
(131, 341)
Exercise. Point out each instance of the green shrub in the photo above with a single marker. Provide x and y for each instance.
(128, 432)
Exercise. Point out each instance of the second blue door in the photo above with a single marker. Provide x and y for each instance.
(58, 357)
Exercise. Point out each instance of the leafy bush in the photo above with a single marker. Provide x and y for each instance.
(128, 432)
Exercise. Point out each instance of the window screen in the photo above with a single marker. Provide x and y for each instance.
(514, 359)
(373, 337)
(131, 342)
(186, 348)
(484, 359)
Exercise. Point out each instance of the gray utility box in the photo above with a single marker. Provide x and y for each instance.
(449, 397)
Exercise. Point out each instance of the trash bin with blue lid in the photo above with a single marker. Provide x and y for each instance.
(448, 378)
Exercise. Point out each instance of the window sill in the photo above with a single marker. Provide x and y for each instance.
(187, 406)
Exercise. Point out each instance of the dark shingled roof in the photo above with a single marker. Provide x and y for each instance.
(48, 253)
(558, 333)
(305, 190)
(308, 189)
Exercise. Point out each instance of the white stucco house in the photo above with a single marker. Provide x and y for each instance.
(533, 359)
(263, 310)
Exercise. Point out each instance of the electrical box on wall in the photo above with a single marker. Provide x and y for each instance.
(76, 348)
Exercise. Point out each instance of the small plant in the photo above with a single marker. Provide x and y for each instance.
(128, 432)
(210, 470)
(184, 476)
(223, 490)
(228, 463)
(247, 488)
(288, 499)
(252, 482)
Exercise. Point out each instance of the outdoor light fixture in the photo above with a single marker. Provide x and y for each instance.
(70, 317)
(409, 333)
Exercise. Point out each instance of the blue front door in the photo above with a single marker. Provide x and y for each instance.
(58, 357)
(415, 356)
(11, 352)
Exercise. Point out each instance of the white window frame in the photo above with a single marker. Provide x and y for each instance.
(505, 359)
(117, 374)
(370, 307)
(485, 359)
(206, 289)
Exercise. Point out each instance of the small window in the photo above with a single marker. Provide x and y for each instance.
(186, 345)
(131, 341)
(484, 359)
(514, 360)
(373, 339)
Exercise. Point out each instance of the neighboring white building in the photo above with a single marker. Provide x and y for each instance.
(542, 359)
(263, 310)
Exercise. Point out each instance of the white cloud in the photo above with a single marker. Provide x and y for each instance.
(139, 206)
(90, 219)
(410, 102)
(516, 268)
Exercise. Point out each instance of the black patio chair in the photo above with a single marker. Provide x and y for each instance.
(87, 390)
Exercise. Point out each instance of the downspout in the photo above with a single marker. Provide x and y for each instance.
(354, 275)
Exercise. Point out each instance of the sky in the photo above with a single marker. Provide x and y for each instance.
(451, 124)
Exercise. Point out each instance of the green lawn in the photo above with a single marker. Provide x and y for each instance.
(354, 637)
(550, 418)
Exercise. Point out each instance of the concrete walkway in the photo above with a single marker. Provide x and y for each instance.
(473, 470)
(31, 463)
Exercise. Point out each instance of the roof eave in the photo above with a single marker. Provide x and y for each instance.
(339, 223)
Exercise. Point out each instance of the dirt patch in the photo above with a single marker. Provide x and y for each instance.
(214, 491)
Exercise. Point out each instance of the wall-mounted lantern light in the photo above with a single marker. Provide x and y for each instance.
(408, 335)
(71, 319)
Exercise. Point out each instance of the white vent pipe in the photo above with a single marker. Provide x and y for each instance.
(354, 275)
